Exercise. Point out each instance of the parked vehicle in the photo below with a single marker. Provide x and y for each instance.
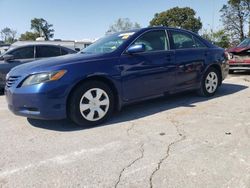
(239, 57)
(117, 70)
(27, 53)
(75, 45)
(4, 48)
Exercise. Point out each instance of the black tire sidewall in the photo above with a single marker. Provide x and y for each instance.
(74, 110)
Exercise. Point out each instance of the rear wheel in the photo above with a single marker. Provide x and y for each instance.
(209, 83)
(1, 91)
(91, 103)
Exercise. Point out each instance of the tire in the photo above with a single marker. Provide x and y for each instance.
(91, 103)
(231, 71)
(210, 83)
(1, 91)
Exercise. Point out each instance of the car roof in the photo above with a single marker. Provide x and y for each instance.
(28, 45)
(158, 27)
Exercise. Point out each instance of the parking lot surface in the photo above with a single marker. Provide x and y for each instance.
(175, 141)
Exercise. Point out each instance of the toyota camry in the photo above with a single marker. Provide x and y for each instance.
(117, 70)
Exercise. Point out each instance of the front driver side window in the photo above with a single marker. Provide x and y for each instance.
(153, 40)
(23, 53)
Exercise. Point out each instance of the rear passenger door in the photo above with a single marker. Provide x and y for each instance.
(47, 51)
(190, 57)
(20, 55)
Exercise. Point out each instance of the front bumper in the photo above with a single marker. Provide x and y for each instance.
(224, 70)
(38, 101)
(239, 65)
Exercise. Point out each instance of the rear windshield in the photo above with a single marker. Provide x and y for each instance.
(244, 43)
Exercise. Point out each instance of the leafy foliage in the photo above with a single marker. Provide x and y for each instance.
(122, 24)
(234, 16)
(219, 38)
(178, 17)
(29, 36)
(8, 35)
(41, 26)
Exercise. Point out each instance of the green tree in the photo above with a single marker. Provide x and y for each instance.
(178, 17)
(235, 15)
(122, 24)
(219, 38)
(41, 26)
(29, 36)
(8, 35)
(247, 5)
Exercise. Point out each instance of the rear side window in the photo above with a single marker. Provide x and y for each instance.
(199, 44)
(182, 40)
(154, 40)
(47, 51)
(66, 51)
(23, 53)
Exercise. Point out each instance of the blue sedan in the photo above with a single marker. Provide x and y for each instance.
(117, 70)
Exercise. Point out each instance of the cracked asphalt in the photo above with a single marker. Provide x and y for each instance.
(176, 141)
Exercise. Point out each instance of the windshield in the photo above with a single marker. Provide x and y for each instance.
(244, 43)
(107, 44)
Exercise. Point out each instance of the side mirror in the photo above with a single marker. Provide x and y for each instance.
(136, 48)
(8, 57)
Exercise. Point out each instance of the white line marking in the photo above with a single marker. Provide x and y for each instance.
(60, 159)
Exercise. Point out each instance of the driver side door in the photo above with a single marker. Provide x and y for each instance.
(20, 55)
(149, 73)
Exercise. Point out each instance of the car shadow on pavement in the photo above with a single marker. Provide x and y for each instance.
(142, 109)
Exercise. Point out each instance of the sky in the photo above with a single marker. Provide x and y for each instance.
(90, 19)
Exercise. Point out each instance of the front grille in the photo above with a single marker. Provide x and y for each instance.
(239, 65)
(11, 81)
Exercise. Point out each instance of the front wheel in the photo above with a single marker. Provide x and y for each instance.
(91, 103)
(209, 83)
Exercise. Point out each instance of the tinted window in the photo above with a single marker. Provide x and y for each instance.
(47, 51)
(64, 51)
(153, 40)
(244, 43)
(182, 40)
(23, 53)
(199, 44)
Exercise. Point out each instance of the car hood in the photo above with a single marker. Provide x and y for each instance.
(238, 49)
(50, 63)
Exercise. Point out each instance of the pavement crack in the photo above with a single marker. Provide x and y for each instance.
(182, 137)
(130, 164)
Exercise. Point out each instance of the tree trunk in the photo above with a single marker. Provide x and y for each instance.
(241, 20)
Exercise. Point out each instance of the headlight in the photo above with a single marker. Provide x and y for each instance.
(230, 56)
(43, 77)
